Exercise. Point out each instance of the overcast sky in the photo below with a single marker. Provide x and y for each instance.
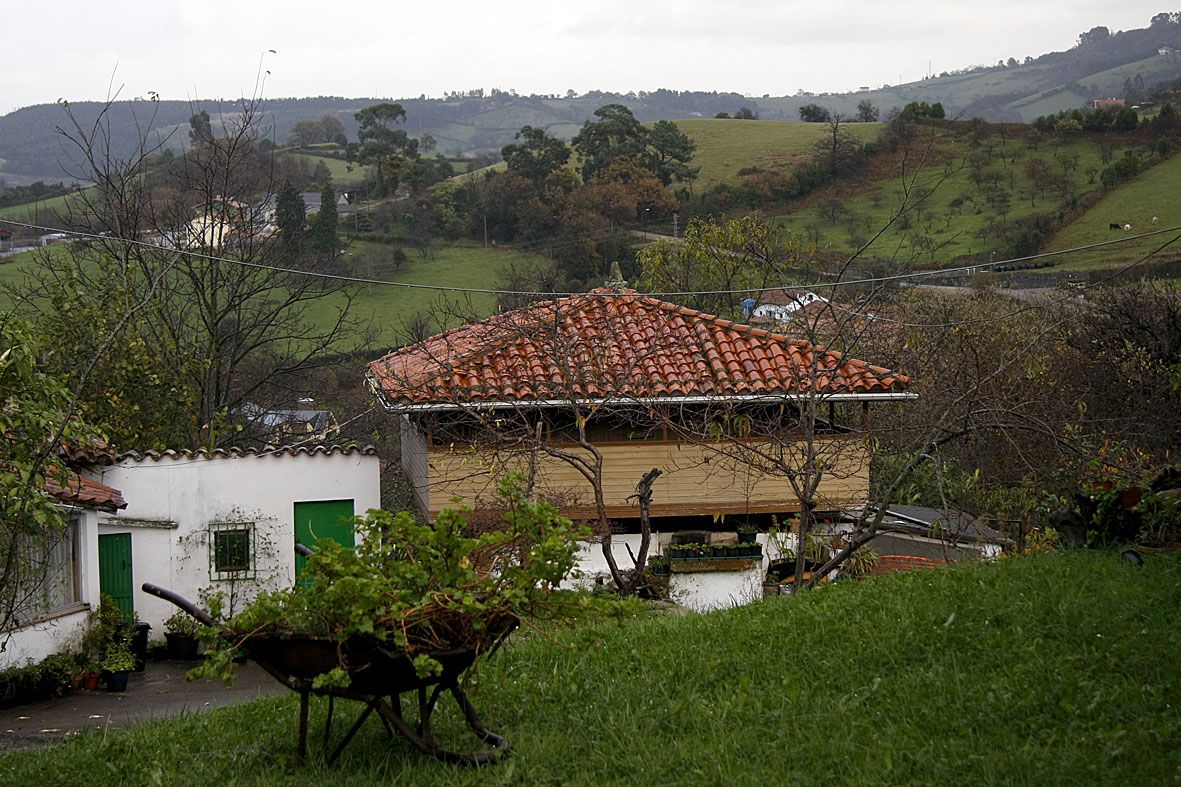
(212, 48)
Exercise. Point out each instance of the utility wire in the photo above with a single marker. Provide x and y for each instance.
(533, 293)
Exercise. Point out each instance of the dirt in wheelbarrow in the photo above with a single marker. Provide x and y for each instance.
(158, 692)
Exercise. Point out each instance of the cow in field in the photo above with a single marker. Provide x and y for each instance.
(1114, 226)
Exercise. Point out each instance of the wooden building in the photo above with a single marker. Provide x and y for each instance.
(619, 383)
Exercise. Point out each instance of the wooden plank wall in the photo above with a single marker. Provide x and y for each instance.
(696, 480)
(414, 463)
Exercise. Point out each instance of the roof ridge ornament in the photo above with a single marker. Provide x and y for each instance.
(615, 280)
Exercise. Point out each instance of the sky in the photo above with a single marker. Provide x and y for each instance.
(206, 49)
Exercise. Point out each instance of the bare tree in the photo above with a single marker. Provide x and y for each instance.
(229, 324)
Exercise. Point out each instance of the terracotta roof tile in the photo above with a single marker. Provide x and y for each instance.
(83, 491)
(608, 344)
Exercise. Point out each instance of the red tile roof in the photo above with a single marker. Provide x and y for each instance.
(615, 344)
(83, 491)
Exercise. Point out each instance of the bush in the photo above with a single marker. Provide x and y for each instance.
(416, 587)
(41, 681)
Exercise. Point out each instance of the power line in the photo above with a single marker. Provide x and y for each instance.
(534, 293)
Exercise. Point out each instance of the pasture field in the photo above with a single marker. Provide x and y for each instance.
(35, 211)
(952, 220)
(1153, 193)
(386, 308)
(1050, 669)
(344, 174)
(389, 308)
(725, 146)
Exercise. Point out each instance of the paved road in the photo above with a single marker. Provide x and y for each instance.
(158, 692)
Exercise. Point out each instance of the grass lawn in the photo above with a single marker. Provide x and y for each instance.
(726, 146)
(1058, 669)
(1154, 193)
(390, 307)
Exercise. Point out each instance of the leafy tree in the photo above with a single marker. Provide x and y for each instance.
(313, 132)
(921, 109)
(388, 149)
(867, 112)
(1095, 35)
(38, 414)
(746, 113)
(617, 133)
(814, 113)
(537, 155)
(665, 150)
(719, 257)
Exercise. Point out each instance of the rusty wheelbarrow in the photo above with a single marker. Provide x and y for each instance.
(379, 677)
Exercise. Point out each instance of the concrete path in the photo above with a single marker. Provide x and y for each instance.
(156, 693)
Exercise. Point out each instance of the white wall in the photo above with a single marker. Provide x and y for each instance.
(192, 491)
(35, 642)
(699, 591)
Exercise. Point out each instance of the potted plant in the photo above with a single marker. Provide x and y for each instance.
(88, 677)
(117, 664)
(180, 631)
(658, 565)
(747, 533)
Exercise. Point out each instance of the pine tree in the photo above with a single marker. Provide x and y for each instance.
(323, 239)
(290, 216)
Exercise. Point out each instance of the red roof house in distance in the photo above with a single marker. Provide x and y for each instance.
(629, 381)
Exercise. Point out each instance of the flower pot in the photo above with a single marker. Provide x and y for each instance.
(747, 538)
(117, 681)
(138, 636)
(181, 647)
(90, 680)
(1131, 497)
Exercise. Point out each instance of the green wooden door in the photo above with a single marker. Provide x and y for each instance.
(114, 570)
(323, 519)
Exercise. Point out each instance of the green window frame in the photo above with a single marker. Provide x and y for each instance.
(232, 552)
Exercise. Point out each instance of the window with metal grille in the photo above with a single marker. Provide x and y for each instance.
(231, 550)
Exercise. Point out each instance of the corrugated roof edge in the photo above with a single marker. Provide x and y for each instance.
(236, 452)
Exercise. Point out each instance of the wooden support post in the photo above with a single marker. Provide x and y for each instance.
(302, 753)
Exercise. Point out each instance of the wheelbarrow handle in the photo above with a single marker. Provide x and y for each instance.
(186, 605)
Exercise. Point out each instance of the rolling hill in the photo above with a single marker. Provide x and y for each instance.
(477, 121)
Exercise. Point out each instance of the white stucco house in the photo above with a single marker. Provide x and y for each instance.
(54, 613)
(225, 520)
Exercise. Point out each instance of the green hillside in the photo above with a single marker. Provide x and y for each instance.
(1057, 669)
(726, 146)
(389, 308)
(477, 120)
(344, 174)
(1153, 193)
(955, 217)
(35, 211)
